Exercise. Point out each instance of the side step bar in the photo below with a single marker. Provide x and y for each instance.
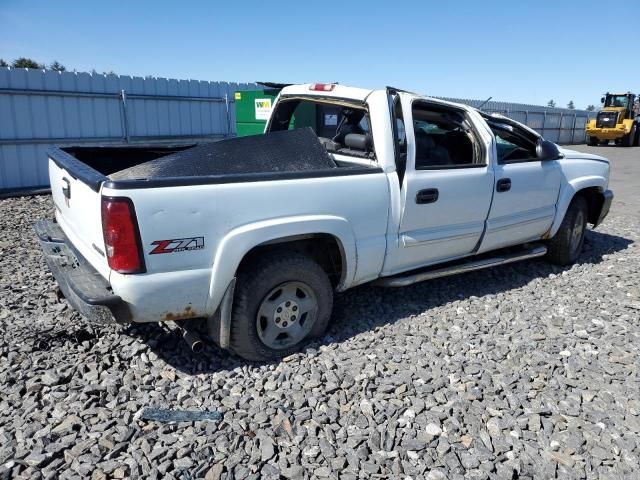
(470, 266)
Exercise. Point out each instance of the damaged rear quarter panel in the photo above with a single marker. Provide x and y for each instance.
(176, 283)
(353, 208)
(154, 297)
(187, 313)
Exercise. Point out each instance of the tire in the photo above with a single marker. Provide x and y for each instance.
(605, 142)
(592, 141)
(629, 139)
(565, 247)
(636, 141)
(285, 282)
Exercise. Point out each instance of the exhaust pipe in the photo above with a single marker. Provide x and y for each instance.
(192, 339)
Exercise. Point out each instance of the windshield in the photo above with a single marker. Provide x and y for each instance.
(617, 101)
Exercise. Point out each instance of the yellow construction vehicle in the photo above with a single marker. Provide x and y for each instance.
(618, 120)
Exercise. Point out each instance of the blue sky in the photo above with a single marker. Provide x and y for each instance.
(514, 50)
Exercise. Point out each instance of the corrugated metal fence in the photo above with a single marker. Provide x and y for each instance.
(560, 125)
(39, 109)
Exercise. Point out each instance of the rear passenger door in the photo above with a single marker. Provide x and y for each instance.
(446, 191)
(526, 190)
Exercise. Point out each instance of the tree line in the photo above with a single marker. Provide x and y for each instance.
(24, 62)
(571, 105)
(56, 66)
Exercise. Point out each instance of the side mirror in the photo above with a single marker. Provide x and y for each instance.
(602, 100)
(546, 150)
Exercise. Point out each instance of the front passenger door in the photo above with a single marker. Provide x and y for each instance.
(526, 189)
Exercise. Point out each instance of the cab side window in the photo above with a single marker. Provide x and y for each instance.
(512, 144)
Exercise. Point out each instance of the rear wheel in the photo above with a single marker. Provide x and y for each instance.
(281, 301)
(565, 247)
(592, 141)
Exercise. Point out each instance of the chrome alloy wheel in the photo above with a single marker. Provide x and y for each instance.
(286, 315)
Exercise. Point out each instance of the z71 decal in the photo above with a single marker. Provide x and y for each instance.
(177, 245)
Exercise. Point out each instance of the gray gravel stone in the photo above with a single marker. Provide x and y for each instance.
(526, 371)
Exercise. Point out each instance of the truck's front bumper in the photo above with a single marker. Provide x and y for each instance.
(85, 289)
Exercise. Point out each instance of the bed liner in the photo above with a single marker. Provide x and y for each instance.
(282, 151)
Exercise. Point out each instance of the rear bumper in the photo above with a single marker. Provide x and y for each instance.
(85, 289)
(606, 206)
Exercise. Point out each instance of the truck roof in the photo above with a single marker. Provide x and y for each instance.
(338, 91)
(354, 93)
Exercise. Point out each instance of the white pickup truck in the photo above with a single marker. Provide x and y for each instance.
(252, 236)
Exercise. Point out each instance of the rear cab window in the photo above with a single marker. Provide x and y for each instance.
(343, 127)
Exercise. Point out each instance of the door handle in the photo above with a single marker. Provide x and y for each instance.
(428, 195)
(66, 190)
(503, 185)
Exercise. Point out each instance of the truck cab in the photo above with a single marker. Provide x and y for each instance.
(461, 183)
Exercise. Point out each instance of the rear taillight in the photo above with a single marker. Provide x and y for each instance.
(121, 235)
(322, 87)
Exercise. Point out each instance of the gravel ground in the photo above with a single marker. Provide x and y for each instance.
(522, 371)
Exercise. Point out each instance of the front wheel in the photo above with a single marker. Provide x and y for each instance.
(629, 139)
(592, 141)
(281, 301)
(565, 247)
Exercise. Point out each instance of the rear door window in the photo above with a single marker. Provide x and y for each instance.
(443, 138)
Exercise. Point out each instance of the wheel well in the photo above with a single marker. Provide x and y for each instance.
(595, 200)
(324, 249)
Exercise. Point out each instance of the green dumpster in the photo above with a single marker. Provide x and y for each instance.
(253, 108)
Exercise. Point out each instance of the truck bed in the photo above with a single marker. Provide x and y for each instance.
(207, 192)
(278, 155)
(285, 151)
